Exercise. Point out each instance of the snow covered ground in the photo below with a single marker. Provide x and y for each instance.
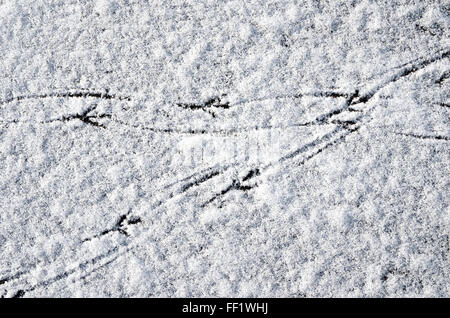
(224, 148)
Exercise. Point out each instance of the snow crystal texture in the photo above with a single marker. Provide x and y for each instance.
(224, 148)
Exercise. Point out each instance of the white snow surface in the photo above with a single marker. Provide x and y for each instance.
(224, 148)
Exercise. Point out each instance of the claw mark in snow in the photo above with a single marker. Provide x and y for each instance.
(202, 179)
(443, 78)
(214, 102)
(407, 70)
(99, 95)
(433, 137)
(119, 226)
(251, 174)
(84, 117)
(442, 104)
(12, 277)
(235, 185)
(19, 294)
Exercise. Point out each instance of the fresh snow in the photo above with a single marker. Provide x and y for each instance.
(224, 148)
